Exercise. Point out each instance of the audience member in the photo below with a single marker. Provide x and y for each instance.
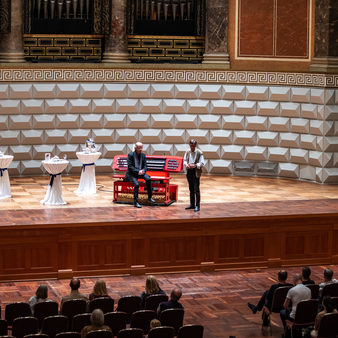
(266, 299)
(41, 295)
(328, 274)
(151, 288)
(154, 323)
(97, 321)
(306, 273)
(328, 307)
(100, 290)
(295, 295)
(172, 303)
(74, 292)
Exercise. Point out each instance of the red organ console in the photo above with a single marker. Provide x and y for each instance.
(159, 169)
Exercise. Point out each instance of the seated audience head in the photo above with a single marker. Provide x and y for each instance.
(152, 285)
(97, 317)
(154, 323)
(176, 294)
(306, 273)
(328, 274)
(328, 304)
(297, 279)
(282, 275)
(74, 284)
(100, 288)
(42, 292)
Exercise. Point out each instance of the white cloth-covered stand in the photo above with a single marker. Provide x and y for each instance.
(5, 187)
(87, 184)
(54, 191)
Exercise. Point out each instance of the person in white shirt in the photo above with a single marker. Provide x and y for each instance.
(194, 161)
(295, 295)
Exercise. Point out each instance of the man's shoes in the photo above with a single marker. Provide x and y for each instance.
(197, 209)
(252, 308)
(137, 205)
(151, 200)
(190, 207)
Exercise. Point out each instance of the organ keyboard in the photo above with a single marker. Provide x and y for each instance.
(159, 168)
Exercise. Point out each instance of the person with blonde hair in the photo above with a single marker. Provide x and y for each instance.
(100, 290)
(152, 288)
(97, 323)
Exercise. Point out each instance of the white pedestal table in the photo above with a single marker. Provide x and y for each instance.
(54, 191)
(5, 187)
(87, 184)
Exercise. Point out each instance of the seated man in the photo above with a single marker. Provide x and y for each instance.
(137, 167)
(328, 274)
(172, 303)
(74, 293)
(295, 295)
(266, 299)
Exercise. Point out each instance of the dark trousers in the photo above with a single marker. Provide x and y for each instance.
(194, 187)
(136, 185)
(285, 315)
(262, 301)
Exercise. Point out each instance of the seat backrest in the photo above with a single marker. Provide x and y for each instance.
(173, 318)
(53, 325)
(15, 310)
(36, 335)
(153, 301)
(99, 334)
(328, 326)
(45, 309)
(162, 332)
(314, 290)
(117, 321)
(24, 325)
(188, 331)
(80, 321)
(141, 319)
(3, 327)
(306, 312)
(130, 333)
(335, 302)
(73, 307)
(104, 303)
(330, 290)
(68, 335)
(129, 304)
(278, 298)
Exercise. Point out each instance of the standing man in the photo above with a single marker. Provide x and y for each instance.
(137, 167)
(194, 161)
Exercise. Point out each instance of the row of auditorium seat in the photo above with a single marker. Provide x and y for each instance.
(74, 315)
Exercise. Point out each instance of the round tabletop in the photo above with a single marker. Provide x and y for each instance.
(87, 158)
(55, 167)
(5, 161)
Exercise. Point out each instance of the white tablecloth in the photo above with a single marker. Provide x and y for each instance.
(87, 184)
(54, 191)
(5, 187)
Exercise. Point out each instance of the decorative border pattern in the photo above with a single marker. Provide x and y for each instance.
(154, 75)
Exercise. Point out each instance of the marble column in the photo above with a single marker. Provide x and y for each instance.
(11, 43)
(116, 46)
(325, 57)
(216, 35)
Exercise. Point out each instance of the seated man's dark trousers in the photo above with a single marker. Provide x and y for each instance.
(194, 187)
(136, 185)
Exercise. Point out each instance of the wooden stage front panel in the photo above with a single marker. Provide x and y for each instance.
(60, 243)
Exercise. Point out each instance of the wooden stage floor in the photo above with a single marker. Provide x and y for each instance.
(28, 191)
